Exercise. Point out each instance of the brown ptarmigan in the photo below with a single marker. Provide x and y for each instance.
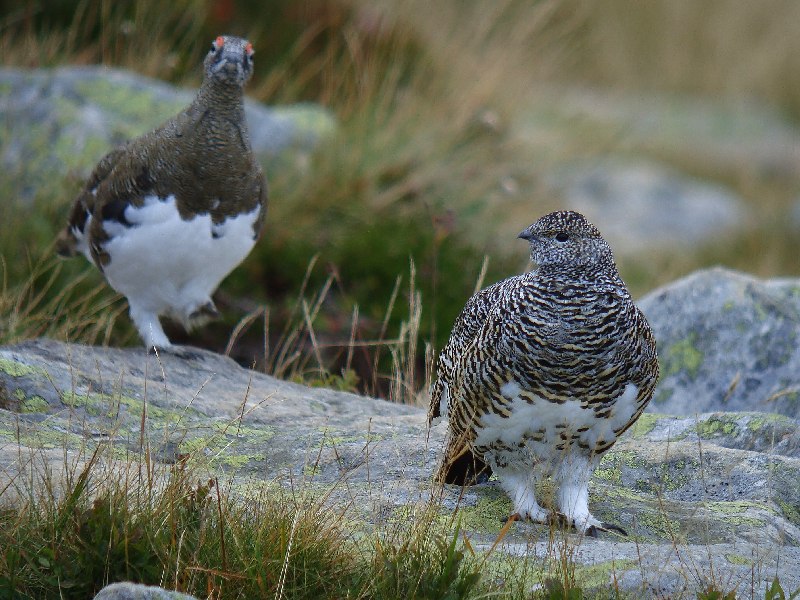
(168, 215)
(544, 371)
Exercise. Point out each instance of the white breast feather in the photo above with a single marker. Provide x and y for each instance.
(528, 417)
(166, 264)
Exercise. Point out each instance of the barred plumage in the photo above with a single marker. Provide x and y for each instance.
(544, 371)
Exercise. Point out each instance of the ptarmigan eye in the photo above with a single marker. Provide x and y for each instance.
(561, 237)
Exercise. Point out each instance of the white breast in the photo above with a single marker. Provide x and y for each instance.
(527, 418)
(165, 264)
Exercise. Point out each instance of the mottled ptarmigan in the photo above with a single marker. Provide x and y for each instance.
(167, 216)
(544, 371)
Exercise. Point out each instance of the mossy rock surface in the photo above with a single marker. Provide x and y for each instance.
(689, 490)
(727, 341)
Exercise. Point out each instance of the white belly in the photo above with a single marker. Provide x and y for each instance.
(527, 420)
(165, 264)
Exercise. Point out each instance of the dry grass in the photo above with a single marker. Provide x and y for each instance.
(720, 48)
(426, 94)
(426, 165)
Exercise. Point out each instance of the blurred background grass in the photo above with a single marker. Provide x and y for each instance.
(427, 173)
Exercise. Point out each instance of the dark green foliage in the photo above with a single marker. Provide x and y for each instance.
(713, 593)
(368, 252)
(426, 565)
(197, 538)
(554, 589)
(776, 592)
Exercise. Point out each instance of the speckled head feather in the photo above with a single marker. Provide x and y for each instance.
(565, 238)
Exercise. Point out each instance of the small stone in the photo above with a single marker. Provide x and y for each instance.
(135, 591)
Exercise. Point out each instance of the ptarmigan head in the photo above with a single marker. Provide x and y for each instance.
(230, 61)
(566, 239)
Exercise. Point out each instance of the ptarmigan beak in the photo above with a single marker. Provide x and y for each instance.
(527, 234)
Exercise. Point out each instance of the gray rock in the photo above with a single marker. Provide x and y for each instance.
(133, 591)
(713, 493)
(727, 341)
(642, 206)
(62, 121)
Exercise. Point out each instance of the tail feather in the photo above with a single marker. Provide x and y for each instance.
(66, 243)
(463, 468)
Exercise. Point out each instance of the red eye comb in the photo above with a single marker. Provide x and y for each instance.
(220, 42)
(249, 48)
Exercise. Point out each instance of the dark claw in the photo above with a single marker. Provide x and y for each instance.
(610, 527)
(560, 520)
(176, 351)
(204, 313)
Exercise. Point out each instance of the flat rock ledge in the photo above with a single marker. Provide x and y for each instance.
(713, 492)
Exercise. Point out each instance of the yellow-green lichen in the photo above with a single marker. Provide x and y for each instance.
(229, 445)
(237, 461)
(90, 402)
(735, 512)
(486, 516)
(329, 439)
(34, 436)
(677, 474)
(733, 507)
(683, 356)
(310, 118)
(652, 516)
(33, 404)
(599, 575)
(761, 420)
(610, 468)
(109, 406)
(311, 470)
(738, 559)
(644, 424)
(138, 110)
(583, 580)
(669, 476)
(245, 432)
(18, 369)
(718, 425)
(790, 511)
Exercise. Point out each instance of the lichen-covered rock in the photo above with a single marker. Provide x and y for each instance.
(133, 591)
(716, 492)
(62, 121)
(727, 341)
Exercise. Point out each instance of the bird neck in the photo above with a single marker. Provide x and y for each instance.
(226, 100)
(592, 274)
